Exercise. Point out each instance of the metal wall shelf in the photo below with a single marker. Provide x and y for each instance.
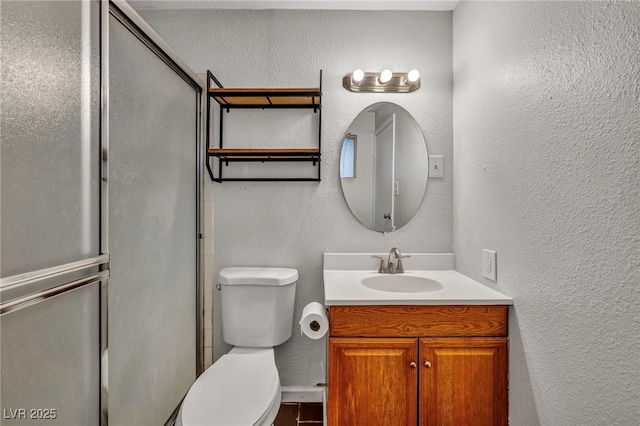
(262, 98)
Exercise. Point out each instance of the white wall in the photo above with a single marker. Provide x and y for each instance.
(292, 224)
(547, 148)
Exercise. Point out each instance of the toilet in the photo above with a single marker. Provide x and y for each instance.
(242, 388)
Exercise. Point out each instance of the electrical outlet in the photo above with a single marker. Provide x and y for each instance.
(489, 265)
(436, 166)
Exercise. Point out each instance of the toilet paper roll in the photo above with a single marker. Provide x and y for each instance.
(314, 322)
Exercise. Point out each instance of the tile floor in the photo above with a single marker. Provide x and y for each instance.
(299, 414)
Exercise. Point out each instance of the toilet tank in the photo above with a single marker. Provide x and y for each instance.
(257, 305)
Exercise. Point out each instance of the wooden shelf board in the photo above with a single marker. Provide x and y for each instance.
(256, 153)
(266, 91)
(267, 96)
(263, 150)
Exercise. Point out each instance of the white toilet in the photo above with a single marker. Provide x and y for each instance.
(242, 388)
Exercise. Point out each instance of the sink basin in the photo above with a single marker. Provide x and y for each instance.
(400, 283)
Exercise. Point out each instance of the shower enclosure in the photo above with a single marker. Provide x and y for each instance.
(100, 182)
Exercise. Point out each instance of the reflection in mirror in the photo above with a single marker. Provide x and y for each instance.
(348, 157)
(384, 167)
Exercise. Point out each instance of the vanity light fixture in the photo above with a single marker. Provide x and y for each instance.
(382, 82)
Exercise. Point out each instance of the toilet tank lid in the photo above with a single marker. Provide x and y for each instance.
(257, 276)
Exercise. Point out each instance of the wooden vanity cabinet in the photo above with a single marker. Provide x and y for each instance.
(417, 365)
(464, 381)
(374, 383)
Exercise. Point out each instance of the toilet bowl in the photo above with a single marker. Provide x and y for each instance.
(242, 388)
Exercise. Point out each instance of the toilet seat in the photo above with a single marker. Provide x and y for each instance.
(242, 388)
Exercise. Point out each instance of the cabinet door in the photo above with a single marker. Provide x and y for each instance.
(372, 381)
(463, 381)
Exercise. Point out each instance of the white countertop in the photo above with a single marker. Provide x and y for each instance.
(343, 273)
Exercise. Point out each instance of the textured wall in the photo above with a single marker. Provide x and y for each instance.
(292, 224)
(546, 147)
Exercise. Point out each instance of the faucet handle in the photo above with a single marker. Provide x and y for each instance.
(400, 267)
(381, 267)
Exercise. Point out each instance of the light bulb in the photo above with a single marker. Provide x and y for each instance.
(413, 76)
(385, 76)
(357, 75)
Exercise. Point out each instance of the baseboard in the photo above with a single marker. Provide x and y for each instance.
(303, 393)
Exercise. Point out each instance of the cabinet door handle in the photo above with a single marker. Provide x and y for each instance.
(413, 364)
(427, 364)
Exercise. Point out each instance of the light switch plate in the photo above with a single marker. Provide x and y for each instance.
(436, 166)
(489, 265)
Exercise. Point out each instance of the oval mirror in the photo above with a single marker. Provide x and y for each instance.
(384, 167)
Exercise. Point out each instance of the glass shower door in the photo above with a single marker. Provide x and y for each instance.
(99, 184)
(153, 181)
(51, 265)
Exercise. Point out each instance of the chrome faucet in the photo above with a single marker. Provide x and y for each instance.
(394, 265)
